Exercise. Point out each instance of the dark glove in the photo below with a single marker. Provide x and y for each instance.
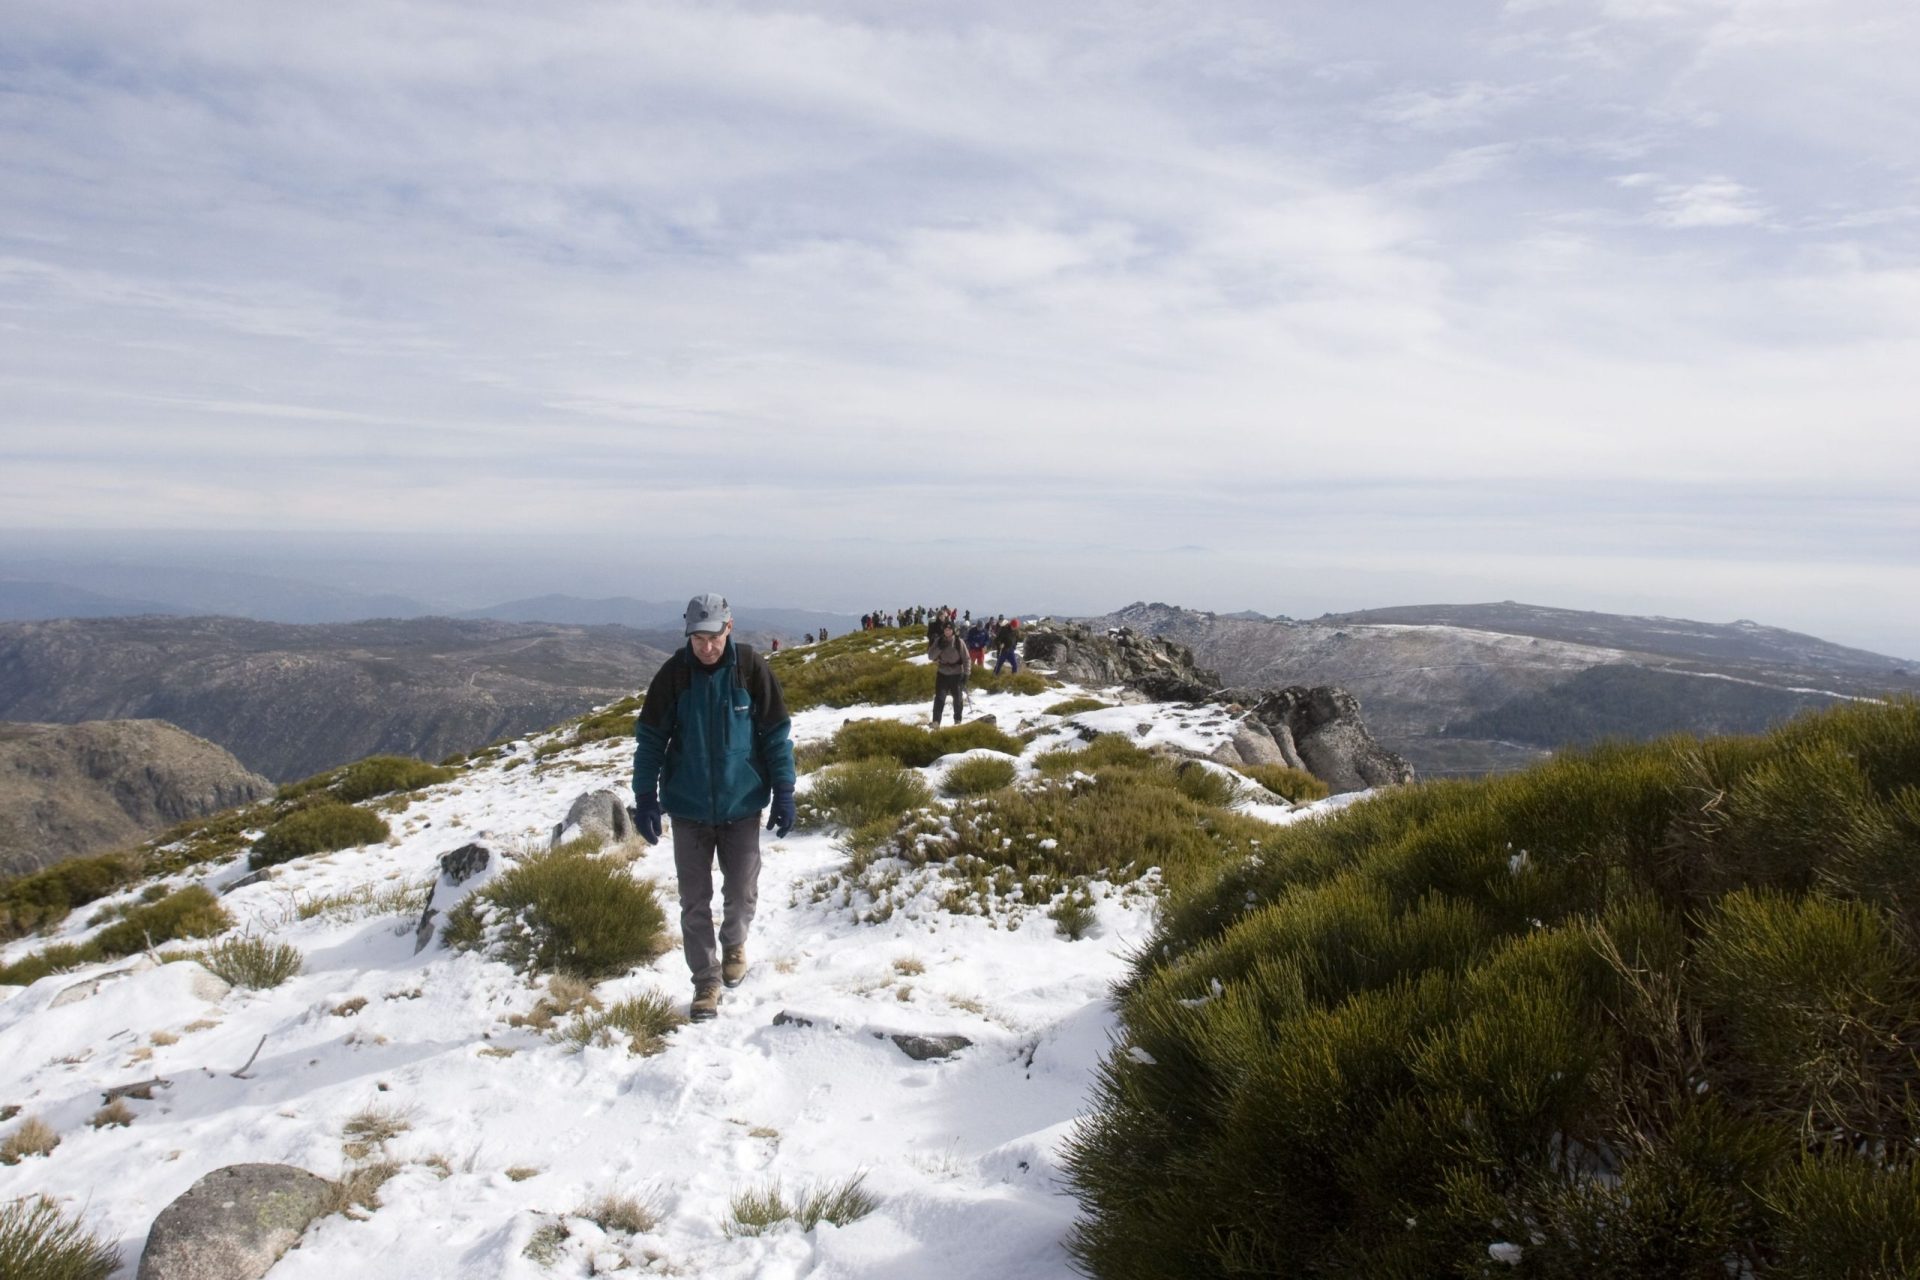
(646, 818)
(780, 812)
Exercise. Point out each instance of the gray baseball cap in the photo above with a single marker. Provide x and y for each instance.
(708, 613)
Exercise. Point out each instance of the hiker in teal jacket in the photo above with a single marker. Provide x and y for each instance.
(713, 747)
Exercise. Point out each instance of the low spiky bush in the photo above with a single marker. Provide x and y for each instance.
(1106, 750)
(54, 959)
(1643, 1010)
(45, 897)
(319, 829)
(38, 1241)
(1115, 825)
(367, 778)
(192, 912)
(977, 776)
(1296, 785)
(563, 911)
(254, 963)
(1074, 706)
(863, 792)
(913, 746)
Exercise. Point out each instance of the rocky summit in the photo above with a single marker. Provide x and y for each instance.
(68, 789)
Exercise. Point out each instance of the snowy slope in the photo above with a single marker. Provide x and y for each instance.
(961, 1153)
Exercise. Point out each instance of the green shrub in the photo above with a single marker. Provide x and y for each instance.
(45, 897)
(192, 912)
(318, 829)
(914, 746)
(54, 959)
(862, 792)
(1046, 838)
(379, 775)
(1838, 1218)
(1107, 750)
(1296, 785)
(38, 1241)
(978, 775)
(1642, 1010)
(1074, 706)
(563, 911)
(367, 778)
(254, 963)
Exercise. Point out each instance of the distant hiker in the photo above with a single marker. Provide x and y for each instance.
(977, 638)
(776, 644)
(713, 746)
(823, 635)
(1006, 645)
(950, 665)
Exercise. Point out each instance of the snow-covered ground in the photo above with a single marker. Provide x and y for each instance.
(509, 1132)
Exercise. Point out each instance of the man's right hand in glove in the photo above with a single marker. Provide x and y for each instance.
(646, 818)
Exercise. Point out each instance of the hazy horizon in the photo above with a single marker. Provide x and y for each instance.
(453, 576)
(1603, 304)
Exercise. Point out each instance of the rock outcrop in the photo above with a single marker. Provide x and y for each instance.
(1160, 670)
(1319, 729)
(234, 1223)
(595, 813)
(71, 789)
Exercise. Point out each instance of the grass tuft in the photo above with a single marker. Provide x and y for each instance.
(643, 1022)
(624, 1214)
(38, 1241)
(978, 775)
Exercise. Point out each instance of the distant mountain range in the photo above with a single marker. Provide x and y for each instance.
(292, 700)
(662, 615)
(1488, 687)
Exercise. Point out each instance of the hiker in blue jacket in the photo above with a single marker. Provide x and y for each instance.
(713, 747)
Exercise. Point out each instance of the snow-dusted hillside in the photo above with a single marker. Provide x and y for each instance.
(508, 1132)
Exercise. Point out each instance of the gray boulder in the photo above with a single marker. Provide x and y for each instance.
(234, 1223)
(596, 813)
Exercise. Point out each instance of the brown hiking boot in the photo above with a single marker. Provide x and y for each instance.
(733, 966)
(706, 1003)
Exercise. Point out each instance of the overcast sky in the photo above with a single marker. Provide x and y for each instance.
(1285, 306)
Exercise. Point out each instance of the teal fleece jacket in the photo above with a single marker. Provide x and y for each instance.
(714, 745)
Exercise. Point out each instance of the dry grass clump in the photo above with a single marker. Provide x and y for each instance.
(33, 1137)
(1294, 785)
(643, 1022)
(115, 1115)
(862, 792)
(624, 1214)
(372, 1128)
(38, 1241)
(760, 1209)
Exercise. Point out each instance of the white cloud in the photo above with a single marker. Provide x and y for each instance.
(434, 265)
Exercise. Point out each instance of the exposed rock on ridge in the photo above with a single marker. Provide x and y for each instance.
(1317, 729)
(69, 789)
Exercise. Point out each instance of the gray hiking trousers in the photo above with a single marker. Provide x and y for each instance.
(694, 846)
